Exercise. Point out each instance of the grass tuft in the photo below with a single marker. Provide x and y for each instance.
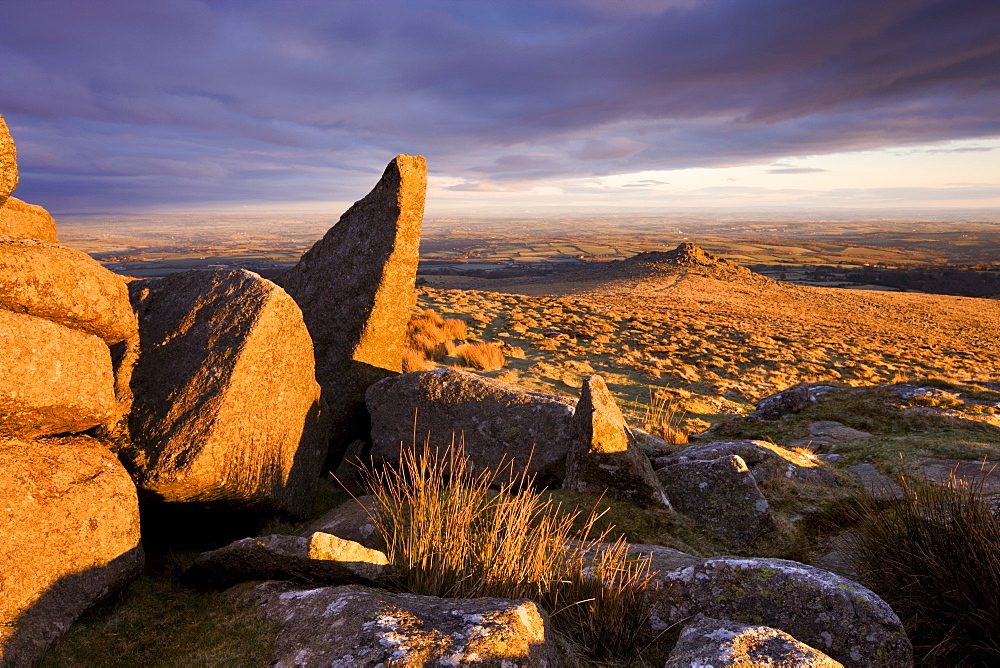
(482, 356)
(934, 557)
(663, 418)
(430, 338)
(449, 534)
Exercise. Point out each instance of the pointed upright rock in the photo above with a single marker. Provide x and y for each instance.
(8, 163)
(355, 288)
(602, 457)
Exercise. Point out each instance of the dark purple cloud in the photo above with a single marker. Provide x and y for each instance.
(122, 104)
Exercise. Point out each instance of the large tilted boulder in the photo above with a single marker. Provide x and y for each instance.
(226, 407)
(53, 380)
(320, 558)
(70, 522)
(26, 221)
(355, 288)
(359, 627)
(724, 644)
(603, 457)
(8, 163)
(721, 495)
(65, 286)
(499, 422)
(827, 612)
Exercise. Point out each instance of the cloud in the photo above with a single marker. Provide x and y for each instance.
(796, 170)
(307, 100)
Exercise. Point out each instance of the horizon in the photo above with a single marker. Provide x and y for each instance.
(551, 108)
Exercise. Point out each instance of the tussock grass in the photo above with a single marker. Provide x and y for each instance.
(482, 356)
(934, 557)
(663, 418)
(430, 338)
(449, 534)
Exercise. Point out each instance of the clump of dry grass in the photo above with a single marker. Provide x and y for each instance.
(935, 558)
(482, 356)
(430, 338)
(663, 418)
(449, 534)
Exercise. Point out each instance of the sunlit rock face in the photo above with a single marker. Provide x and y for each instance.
(26, 221)
(355, 287)
(226, 407)
(8, 163)
(721, 643)
(53, 380)
(70, 521)
(603, 457)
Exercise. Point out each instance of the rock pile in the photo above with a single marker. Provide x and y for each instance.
(68, 509)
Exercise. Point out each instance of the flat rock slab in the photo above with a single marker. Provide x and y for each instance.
(70, 519)
(721, 495)
(356, 286)
(877, 484)
(767, 461)
(8, 163)
(26, 221)
(603, 457)
(351, 520)
(827, 612)
(53, 380)
(721, 644)
(499, 422)
(792, 400)
(226, 406)
(356, 627)
(321, 558)
(984, 475)
(65, 286)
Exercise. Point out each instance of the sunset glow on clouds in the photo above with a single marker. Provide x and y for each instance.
(140, 105)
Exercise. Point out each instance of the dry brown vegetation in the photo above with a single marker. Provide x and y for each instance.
(482, 356)
(430, 338)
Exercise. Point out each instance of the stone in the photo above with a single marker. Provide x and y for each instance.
(70, 521)
(8, 163)
(321, 558)
(65, 286)
(353, 626)
(981, 475)
(827, 612)
(721, 495)
(500, 423)
(351, 520)
(603, 457)
(876, 483)
(836, 431)
(719, 643)
(768, 462)
(792, 400)
(355, 287)
(226, 407)
(53, 380)
(26, 221)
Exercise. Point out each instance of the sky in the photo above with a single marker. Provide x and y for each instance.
(519, 106)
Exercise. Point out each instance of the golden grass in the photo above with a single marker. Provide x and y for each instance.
(482, 356)
(663, 418)
(449, 534)
(430, 338)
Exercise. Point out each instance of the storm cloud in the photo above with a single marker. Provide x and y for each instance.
(126, 104)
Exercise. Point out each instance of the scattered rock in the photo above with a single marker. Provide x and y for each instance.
(355, 288)
(877, 484)
(321, 558)
(791, 400)
(603, 457)
(836, 431)
(53, 380)
(500, 423)
(767, 461)
(65, 286)
(721, 495)
(360, 627)
(351, 520)
(830, 613)
(226, 407)
(26, 221)
(720, 643)
(959, 418)
(70, 521)
(8, 163)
